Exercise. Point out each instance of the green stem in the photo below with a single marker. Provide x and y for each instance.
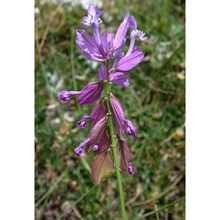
(114, 147)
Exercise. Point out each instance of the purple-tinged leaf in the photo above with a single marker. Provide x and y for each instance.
(102, 166)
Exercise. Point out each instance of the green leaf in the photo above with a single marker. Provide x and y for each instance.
(102, 166)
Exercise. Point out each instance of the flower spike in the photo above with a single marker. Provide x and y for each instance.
(107, 138)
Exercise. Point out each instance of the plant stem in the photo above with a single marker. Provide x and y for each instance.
(114, 147)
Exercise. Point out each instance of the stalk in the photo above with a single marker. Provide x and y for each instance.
(107, 87)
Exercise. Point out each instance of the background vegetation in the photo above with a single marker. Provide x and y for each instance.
(154, 101)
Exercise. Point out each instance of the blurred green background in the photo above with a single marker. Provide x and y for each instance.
(154, 101)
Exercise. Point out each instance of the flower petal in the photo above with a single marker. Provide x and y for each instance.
(90, 93)
(87, 46)
(66, 95)
(118, 114)
(98, 112)
(129, 62)
(102, 73)
(96, 133)
(121, 32)
(131, 129)
(120, 78)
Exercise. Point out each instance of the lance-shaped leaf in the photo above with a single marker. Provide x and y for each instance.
(102, 166)
(124, 155)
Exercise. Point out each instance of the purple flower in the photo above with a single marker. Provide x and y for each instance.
(82, 122)
(140, 34)
(88, 46)
(90, 93)
(102, 73)
(118, 78)
(131, 129)
(98, 112)
(66, 95)
(93, 16)
(78, 150)
(119, 118)
(118, 114)
(130, 168)
(121, 32)
(126, 63)
(95, 148)
(99, 135)
(107, 43)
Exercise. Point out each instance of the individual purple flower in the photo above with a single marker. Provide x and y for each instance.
(135, 33)
(82, 122)
(95, 147)
(130, 168)
(140, 34)
(66, 95)
(92, 17)
(131, 129)
(98, 112)
(78, 150)
(90, 93)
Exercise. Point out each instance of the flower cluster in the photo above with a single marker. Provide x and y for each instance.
(106, 47)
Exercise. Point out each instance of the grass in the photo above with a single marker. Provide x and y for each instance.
(154, 101)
